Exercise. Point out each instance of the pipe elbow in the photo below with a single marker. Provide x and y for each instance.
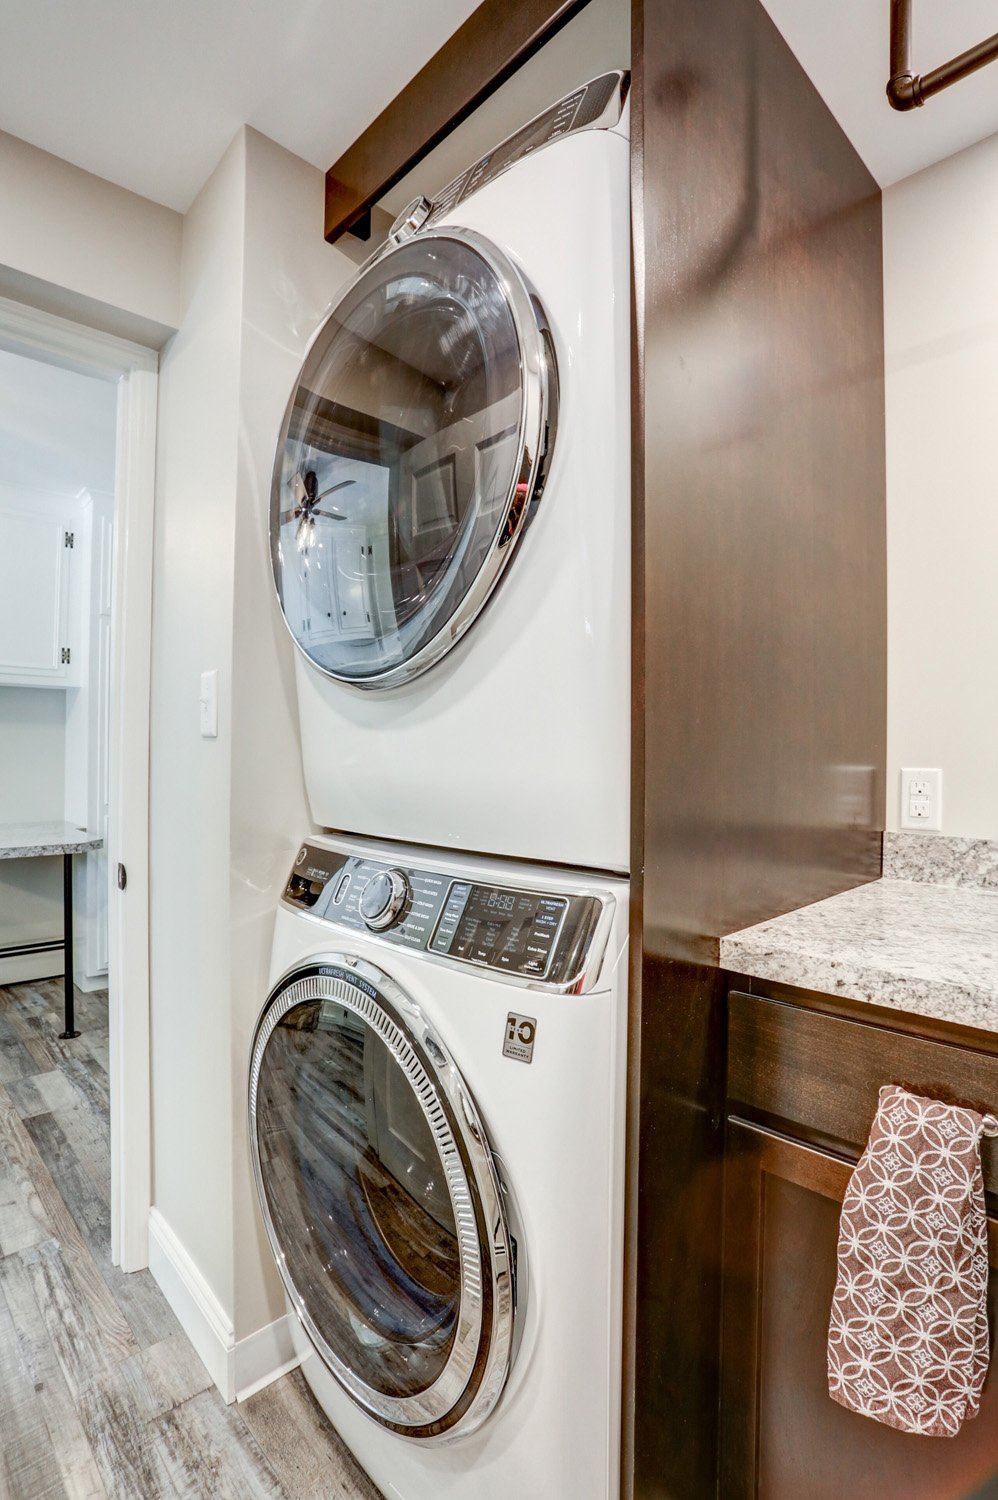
(904, 92)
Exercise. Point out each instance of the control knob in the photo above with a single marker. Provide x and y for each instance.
(384, 898)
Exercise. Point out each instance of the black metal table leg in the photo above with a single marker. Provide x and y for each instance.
(67, 919)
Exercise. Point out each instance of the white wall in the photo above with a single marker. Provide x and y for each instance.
(227, 813)
(289, 276)
(941, 346)
(190, 937)
(74, 244)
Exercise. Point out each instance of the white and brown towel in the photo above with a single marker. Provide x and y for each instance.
(908, 1338)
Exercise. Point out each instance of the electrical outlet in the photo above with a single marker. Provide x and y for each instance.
(922, 799)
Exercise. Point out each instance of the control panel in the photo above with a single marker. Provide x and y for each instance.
(597, 103)
(539, 935)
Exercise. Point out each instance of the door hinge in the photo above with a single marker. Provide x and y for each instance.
(68, 538)
(122, 877)
(66, 653)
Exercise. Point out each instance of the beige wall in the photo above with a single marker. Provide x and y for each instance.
(190, 937)
(227, 813)
(74, 244)
(289, 277)
(941, 338)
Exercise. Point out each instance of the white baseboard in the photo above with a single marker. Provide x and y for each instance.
(238, 1369)
(264, 1356)
(88, 983)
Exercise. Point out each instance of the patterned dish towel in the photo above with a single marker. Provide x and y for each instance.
(908, 1338)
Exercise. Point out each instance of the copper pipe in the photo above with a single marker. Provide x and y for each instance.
(907, 90)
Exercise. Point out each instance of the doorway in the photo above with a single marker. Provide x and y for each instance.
(105, 712)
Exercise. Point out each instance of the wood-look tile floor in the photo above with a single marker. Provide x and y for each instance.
(102, 1397)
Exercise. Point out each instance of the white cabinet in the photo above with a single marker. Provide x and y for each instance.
(36, 618)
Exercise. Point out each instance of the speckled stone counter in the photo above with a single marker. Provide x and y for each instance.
(29, 840)
(925, 943)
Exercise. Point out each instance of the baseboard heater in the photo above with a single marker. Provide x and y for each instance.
(22, 950)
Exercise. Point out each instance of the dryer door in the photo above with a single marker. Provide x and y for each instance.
(381, 1199)
(412, 454)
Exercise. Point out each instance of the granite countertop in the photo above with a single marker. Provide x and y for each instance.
(923, 939)
(26, 840)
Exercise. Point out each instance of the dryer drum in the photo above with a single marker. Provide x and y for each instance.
(412, 456)
(381, 1199)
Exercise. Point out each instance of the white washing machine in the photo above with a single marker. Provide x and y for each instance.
(436, 1109)
(450, 521)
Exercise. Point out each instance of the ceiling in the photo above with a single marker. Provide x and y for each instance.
(149, 95)
(57, 428)
(843, 46)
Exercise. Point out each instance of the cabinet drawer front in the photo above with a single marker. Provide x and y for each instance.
(818, 1076)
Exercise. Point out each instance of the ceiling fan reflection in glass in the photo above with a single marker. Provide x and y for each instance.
(306, 500)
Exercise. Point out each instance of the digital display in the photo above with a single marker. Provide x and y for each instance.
(498, 901)
(514, 930)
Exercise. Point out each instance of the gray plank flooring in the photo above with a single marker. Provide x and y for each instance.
(102, 1397)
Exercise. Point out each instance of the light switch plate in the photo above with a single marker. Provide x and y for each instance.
(922, 798)
(208, 704)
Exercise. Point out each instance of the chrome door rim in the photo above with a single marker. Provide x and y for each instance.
(538, 382)
(468, 1388)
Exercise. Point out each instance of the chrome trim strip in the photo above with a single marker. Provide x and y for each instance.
(539, 384)
(432, 1074)
(581, 984)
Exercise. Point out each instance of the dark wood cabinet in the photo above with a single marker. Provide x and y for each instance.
(782, 1437)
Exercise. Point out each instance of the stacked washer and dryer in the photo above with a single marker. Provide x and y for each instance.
(437, 1078)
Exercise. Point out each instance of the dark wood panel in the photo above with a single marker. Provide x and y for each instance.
(759, 638)
(763, 480)
(672, 1369)
(493, 42)
(888, 1017)
(782, 1436)
(820, 1074)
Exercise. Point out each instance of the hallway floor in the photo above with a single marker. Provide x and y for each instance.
(101, 1394)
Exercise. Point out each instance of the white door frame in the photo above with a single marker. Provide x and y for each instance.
(133, 369)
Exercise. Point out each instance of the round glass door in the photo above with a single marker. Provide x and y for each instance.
(381, 1200)
(412, 455)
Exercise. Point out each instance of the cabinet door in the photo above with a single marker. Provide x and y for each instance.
(782, 1436)
(34, 598)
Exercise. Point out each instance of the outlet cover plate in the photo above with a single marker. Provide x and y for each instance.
(922, 798)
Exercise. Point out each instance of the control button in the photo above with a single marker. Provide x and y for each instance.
(343, 885)
(383, 899)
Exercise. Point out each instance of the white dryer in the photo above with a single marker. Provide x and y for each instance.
(450, 520)
(436, 1106)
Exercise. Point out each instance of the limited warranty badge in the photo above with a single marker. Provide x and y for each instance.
(519, 1039)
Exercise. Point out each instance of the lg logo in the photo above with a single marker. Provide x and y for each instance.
(519, 1040)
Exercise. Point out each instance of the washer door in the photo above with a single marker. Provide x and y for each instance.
(412, 454)
(381, 1199)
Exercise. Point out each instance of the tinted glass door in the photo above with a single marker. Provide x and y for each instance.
(377, 1201)
(412, 452)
